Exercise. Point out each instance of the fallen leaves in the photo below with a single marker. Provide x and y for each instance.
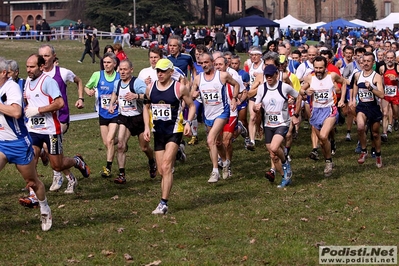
(108, 253)
(120, 230)
(115, 197)
(252, 241)
(127, 257)
(303, 219)
(61, 206)
(154, 263)
(38, 237)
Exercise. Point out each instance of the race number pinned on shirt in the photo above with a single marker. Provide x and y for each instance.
(211, 96)
(365, 95)
(128, 105)
(105, 101)
(161, 112)
(322, 96)
(37, 122)
(390, 90)
(274, 118)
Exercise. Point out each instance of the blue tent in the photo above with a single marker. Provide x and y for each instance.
(3, 24)
(339, 23)
(254, 21)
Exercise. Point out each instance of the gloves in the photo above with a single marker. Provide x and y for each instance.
(31, 111)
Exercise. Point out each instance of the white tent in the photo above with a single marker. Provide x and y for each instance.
(388, 21)
(315, 25)
(292, 22)
(363, 23)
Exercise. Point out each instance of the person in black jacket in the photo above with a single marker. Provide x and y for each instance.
(95, 48)
(46, 30)
(87, 48)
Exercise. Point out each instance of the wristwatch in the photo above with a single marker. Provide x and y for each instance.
(189, 122)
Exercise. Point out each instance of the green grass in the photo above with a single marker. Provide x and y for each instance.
(242, 221)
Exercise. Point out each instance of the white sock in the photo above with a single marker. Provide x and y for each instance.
(194, 127)
(44, 208)
(215, 170)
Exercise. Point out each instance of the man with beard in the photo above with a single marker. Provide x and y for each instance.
(320, 87)
(389, 71)
(367, 87)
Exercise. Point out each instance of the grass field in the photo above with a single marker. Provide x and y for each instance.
(242, 221)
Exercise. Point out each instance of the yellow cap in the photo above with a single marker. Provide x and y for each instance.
(164, 64)
(283, 59)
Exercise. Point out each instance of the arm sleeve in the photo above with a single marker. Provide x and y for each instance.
(92, 83)
(139, 86)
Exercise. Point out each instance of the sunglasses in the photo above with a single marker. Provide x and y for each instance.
(162, 71)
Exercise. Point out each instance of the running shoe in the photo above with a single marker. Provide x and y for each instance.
(396, 125)
(384, 137)
(106, 173)
(284, 182)
(328, 169)
(220, 162)
(378, 161)
(270, 175)
(57, 181)
(314, 155)
(373, 155)
(214, 177)
(362, 157)
(193, 141)
(47, 220)
(225, 171)
(250, 146)
(244, 131)
(333, 147)
(153, 169)
(287, 170)
(71, 186)
(348, 137)
(120, 179)
(389, 130)
(82, 166)
(29, 202)
(160, 209)
(358, 148)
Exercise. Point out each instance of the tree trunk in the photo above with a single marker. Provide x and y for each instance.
(285, 8)
(211, 13)
(206, 7)
(243, 8)
(359, 8)
(317, 9)
(265, 9)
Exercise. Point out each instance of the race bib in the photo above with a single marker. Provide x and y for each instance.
(105, 100)
(128, 105)
(37, 122)
(161, 112)
(211, 96)
(274, 118)
(321, 96)
(365, 95)
(390, 90)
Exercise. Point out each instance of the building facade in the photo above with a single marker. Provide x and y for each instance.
(302, 9)
(33, 11)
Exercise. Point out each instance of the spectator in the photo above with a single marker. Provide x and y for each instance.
(46, 30)
(87, 49)
(232, 41)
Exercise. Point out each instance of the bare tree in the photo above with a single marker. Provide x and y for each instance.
(265, 9)
(317, 9)
(359, 4)
(285, 8)
(211, 13)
